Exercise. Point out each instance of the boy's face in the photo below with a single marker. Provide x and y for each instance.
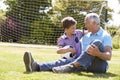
(71, 29)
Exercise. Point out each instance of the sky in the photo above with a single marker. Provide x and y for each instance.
(114, 4)
(2, 5)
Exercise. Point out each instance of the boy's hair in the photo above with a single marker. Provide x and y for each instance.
(68, 21)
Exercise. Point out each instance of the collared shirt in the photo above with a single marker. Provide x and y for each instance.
(74, 41)
(101, 35)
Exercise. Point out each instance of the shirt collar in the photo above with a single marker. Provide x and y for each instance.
(99, 32)
(65, 37)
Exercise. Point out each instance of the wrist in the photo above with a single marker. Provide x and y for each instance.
(72, 50)
(99, 54)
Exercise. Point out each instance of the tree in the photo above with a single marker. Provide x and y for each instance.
(23, 13)
(39, 21)
(78, 9)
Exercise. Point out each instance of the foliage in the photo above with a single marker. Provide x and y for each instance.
(115, 33)
(79, 8)
(116, 39)
(116, 42)
(112, 30)
(39, 21)
(22, 13)
(2, 15)
(41, 32)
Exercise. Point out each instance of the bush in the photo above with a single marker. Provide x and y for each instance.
(116, 42)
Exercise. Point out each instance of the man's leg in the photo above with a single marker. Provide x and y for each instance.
(29, 62)
(85, 60)
(32, 65)
(47, 66)
(98, 66)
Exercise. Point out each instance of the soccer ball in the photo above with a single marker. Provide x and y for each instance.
(67, 55)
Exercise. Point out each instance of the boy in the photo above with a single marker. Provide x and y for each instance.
(71, 37)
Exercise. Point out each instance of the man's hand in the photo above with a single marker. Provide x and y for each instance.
(93, 50)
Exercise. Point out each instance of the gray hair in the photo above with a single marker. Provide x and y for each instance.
(93, 17)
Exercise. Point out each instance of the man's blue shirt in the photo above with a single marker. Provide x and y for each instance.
(101, 35)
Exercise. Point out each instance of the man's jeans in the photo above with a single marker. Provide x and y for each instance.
(90, 63)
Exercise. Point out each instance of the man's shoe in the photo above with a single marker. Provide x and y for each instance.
(29, 62)
(64, 69)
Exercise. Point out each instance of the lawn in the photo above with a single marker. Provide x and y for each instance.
(12, 66)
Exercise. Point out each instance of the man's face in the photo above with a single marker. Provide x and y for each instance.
(89, 25)
(71, 29)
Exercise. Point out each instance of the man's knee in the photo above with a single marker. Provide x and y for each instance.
(96, 42)
(99, 44)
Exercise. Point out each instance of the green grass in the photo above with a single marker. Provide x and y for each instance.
(12, 66)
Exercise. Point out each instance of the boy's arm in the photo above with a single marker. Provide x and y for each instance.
(62, 50)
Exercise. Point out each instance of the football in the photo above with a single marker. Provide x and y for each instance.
(67, 55)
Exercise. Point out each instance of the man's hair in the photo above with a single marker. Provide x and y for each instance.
(93, 17)
(68, 21)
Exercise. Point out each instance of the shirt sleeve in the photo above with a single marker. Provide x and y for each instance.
(61, 42)
(80, 33)
(107, 40)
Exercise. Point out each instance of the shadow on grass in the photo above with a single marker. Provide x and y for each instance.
(27, 72)
(34, 72)
(88, 74)
(97, 75)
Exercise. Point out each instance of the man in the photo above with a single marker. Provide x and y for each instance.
(70, 37)
(96, 47)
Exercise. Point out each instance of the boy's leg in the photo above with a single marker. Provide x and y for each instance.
(29, 62)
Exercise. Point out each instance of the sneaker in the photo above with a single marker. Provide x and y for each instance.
(29, 62)
(64, 69)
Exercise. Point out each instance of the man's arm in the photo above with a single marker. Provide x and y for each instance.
(107, 54)
(94, 51)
